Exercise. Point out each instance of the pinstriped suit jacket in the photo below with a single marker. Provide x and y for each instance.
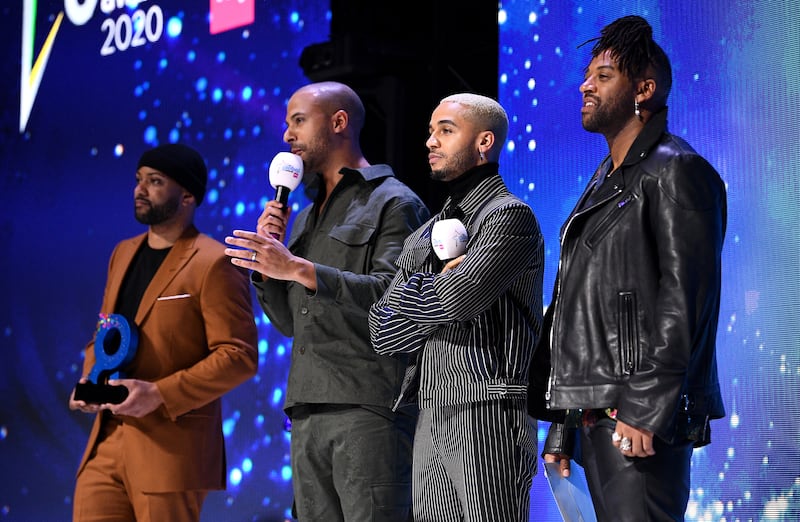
(472, 329)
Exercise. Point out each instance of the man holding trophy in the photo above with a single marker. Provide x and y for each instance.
(177, 323)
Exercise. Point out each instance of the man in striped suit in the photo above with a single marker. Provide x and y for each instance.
(470, 324)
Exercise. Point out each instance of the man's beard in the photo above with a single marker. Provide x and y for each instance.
(315, 155)
(609, 115)
(157, 214)
(455, 165)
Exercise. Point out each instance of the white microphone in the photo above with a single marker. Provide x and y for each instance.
(449, 239)
(285, 174)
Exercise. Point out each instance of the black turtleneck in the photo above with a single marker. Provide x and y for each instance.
(460, 186)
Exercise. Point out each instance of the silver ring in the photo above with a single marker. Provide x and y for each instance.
(625, 444)
(616, 437)
(253, 256)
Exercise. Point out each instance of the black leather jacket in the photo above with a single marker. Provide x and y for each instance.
(633, 319)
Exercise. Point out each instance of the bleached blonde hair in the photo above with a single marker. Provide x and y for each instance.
(484, 112)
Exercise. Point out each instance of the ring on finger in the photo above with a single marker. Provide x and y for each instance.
(625, 444)
(253, 255)
(616, 437)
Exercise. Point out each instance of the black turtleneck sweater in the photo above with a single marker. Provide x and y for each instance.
(460, 186)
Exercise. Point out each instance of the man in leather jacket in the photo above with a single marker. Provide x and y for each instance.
(629, 336)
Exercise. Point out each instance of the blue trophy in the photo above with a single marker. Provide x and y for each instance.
(114, 348)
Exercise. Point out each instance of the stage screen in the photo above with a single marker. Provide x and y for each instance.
(89, 84)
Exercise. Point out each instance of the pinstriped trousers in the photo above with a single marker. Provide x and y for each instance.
(474, 462)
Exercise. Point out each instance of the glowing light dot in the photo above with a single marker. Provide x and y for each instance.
(277, 395)
(235, 476)
(286, 473)
(174, 26)
(119, 149)
(532, 17)
(150, 135)
(228, 425)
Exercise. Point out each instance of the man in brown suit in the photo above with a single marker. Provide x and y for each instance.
(155, 456)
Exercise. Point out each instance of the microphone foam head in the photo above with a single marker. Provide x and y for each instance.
(449, 239)
(286, 170)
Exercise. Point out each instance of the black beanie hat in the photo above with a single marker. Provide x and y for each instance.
(181, 163)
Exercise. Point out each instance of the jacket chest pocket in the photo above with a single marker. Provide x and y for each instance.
(356, 238)
(628, 332)
(607, 222)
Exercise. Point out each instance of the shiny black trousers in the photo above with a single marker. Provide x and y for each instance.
(634, 489)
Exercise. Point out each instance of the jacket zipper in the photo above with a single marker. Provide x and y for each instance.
(552, 380)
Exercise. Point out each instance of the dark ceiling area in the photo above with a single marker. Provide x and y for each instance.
(402, 58)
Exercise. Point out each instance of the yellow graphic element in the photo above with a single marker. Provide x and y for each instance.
(31, 73)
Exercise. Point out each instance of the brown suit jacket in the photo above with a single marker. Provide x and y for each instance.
(195, 345)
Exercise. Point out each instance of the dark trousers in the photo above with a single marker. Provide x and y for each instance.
(634, 489)
(351, 464)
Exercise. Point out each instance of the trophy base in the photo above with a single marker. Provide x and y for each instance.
(92, 393)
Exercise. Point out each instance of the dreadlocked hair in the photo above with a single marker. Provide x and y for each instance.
(630, 40)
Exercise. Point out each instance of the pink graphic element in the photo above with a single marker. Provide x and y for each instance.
(225, 15)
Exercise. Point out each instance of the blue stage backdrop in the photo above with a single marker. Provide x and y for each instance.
(88, 84)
